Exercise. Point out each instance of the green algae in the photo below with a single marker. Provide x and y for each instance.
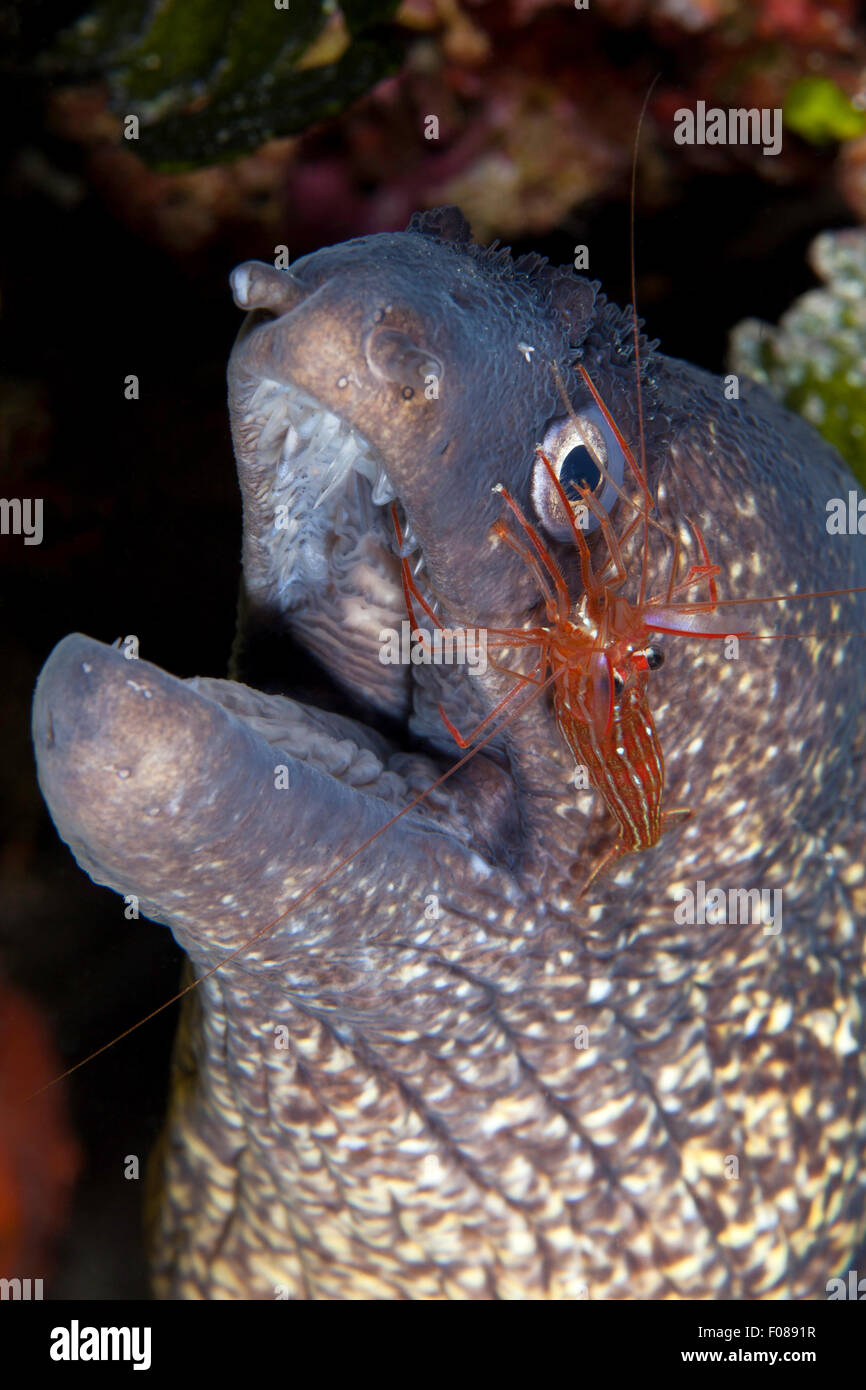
(815, 361)
(213, 79)
(820, 112)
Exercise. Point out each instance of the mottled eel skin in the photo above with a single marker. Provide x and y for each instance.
(430, 1129)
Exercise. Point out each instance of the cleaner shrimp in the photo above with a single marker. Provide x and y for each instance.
(598, 652)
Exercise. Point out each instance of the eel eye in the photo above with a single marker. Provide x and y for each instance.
(576, 447)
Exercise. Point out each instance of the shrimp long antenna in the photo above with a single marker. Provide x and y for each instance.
(594, 454)
(769, 598)
(634, 324)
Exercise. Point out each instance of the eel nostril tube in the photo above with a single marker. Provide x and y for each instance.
(257, 285)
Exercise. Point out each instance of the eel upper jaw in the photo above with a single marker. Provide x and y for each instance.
(320, 551)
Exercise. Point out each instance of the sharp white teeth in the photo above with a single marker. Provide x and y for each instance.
(273, 428)
(418, 566)
(263, 393)
(345, 456)
(328, 433)
(367, 467)
(307, 426)
(312, 455)
(337, 470)
(410, 544)
(290, 444)
(383, 493)
(336, 481)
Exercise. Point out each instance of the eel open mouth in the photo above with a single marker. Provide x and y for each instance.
(316, 499)
(320, 554)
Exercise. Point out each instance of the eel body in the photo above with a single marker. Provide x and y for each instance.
(445, 1074)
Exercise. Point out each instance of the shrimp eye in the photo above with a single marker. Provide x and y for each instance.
(585, 457)
(618, 683)
(650, 659)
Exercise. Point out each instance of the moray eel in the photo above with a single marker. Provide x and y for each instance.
(446, 1074)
